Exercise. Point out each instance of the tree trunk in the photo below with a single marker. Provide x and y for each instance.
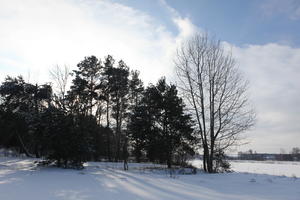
(107, 134)
(108, 146)
(118, 132)
(36, 151)
(211, 159)
(169, 163)
(204, 160)
(23, 147)
(125, 164)
(125, 154)
(107, 113)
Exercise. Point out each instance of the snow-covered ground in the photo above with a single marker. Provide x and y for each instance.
(290, 169)
(278, 168)
(21, 179)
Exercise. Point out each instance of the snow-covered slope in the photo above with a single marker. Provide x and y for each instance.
(20, 179)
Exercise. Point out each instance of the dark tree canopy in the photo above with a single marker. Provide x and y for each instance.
(159, 125)
(106, 114)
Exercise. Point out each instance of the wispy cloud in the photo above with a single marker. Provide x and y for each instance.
(185, 26)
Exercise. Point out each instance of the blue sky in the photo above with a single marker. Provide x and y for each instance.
(245, 22)
(238, 22)
(263, 36)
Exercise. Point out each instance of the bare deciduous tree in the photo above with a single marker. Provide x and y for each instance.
(216, 93)
(60, 76)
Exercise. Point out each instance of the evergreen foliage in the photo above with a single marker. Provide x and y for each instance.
(105, 115)
(159, 125)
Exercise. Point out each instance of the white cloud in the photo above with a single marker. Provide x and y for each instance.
(40, 34)
(35, 35)
(273, 71)
(185, 27)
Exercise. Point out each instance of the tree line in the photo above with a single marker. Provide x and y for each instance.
(108, 114)
(293, 155)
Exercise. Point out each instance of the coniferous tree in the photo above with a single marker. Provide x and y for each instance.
(23, 102)
(136, 89)
(119, 96)
(159, 125)
(151, 122)
(85, 86)
(106, 74)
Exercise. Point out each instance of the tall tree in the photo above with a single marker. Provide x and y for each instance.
(119, 96)
(216, 92)
(107, 78)
(86, 85)
(160, 125)
(107, 74)
(136, 89)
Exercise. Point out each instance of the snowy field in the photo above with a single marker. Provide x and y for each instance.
(290, 169)
(278, 168)
(21, 179)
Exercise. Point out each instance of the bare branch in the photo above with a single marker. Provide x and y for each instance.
(216, 92)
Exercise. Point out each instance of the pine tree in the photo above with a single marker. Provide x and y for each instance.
(136, 89)
(159, 125)
(85, 86)
(119, 97)
(23, 101)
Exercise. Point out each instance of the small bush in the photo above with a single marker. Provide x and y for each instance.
(221, 164)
